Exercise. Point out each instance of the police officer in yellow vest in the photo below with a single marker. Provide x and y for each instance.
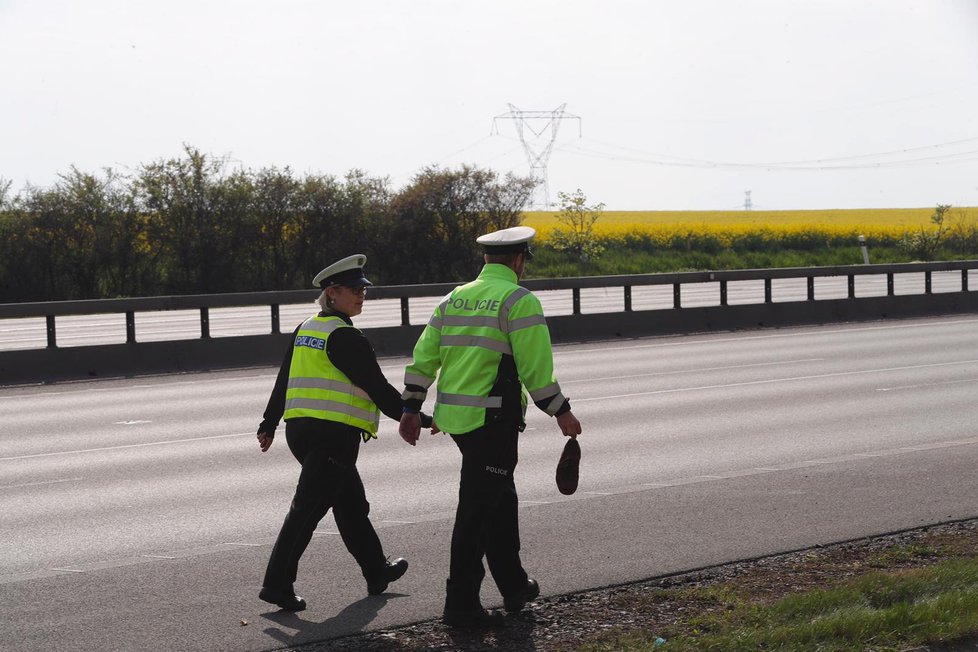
(331, 391)
(489, 339)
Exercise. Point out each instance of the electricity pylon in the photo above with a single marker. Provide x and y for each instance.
(531, 127)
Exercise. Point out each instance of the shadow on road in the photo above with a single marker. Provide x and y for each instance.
(345, 631)
(352, 619)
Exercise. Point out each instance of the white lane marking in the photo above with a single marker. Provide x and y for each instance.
(778, 380)
(38, 484)
(158, 556)
(68, 570)
(246, 545)
(946, 382)
(132, 422)
(122, 446)
(692, 371)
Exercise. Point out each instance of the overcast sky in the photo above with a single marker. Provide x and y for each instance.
(683, 104)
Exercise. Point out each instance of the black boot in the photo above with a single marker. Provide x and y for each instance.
(392, 572)
(515, 603)
(463, 609)
(283, 598)
(473, 618)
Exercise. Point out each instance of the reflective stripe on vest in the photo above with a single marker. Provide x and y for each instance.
(417, 379)
(477, 340)
(470, 401)
(325, 383)
(324, 405)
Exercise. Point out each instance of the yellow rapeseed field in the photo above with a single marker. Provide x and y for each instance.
(879, 224)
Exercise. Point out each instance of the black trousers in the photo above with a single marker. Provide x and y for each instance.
(329, 479)
(487, 519)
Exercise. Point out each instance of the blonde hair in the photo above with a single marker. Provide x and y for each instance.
(323, 300)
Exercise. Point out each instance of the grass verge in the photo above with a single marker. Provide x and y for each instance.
(905, 596)
(879, 611)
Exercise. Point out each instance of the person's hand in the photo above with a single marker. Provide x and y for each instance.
(434, 428)
(265, 441)
(410, 428)
(569, 425)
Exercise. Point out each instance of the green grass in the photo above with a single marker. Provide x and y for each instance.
(877, 611)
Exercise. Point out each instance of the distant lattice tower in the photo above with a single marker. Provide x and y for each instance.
(538, 132)
(747, 203)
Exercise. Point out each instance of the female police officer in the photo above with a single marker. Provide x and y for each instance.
(331, 391)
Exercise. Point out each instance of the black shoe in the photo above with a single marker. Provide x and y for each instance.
(392, 572)
(473, 618)
(515, 603)
(287, 600)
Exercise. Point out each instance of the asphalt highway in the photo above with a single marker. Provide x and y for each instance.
(139, 514)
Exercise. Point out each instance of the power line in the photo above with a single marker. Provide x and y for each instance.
(893, 158)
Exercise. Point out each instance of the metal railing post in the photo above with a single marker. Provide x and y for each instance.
(205, 323)
(677, 295)
(723, 292)
(811, 288)
(52, 333)
(768, 295)
(852, 286)
(576, 300)
(628, 298)
(405, 312)
(927, 282)
(276, 320)
(130, 327)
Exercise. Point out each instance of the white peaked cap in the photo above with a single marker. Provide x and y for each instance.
(515, 240)
(348, 271)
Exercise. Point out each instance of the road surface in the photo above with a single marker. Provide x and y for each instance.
(139, 514)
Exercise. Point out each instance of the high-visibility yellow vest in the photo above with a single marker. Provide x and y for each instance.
(318, 389)
(467, 336)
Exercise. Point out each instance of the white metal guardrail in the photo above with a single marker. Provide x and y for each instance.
(203, 303)
(699, 301)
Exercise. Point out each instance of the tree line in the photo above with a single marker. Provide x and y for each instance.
(188, 225)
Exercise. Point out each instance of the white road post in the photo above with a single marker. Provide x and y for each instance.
(862, 245)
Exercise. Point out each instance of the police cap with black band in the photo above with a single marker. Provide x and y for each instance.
(348, 272)
(515, 240)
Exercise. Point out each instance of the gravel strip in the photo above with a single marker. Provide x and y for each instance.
(565, 622)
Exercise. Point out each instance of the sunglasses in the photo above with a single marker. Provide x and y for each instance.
(360, 290)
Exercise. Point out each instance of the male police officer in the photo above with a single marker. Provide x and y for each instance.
(489, 338)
